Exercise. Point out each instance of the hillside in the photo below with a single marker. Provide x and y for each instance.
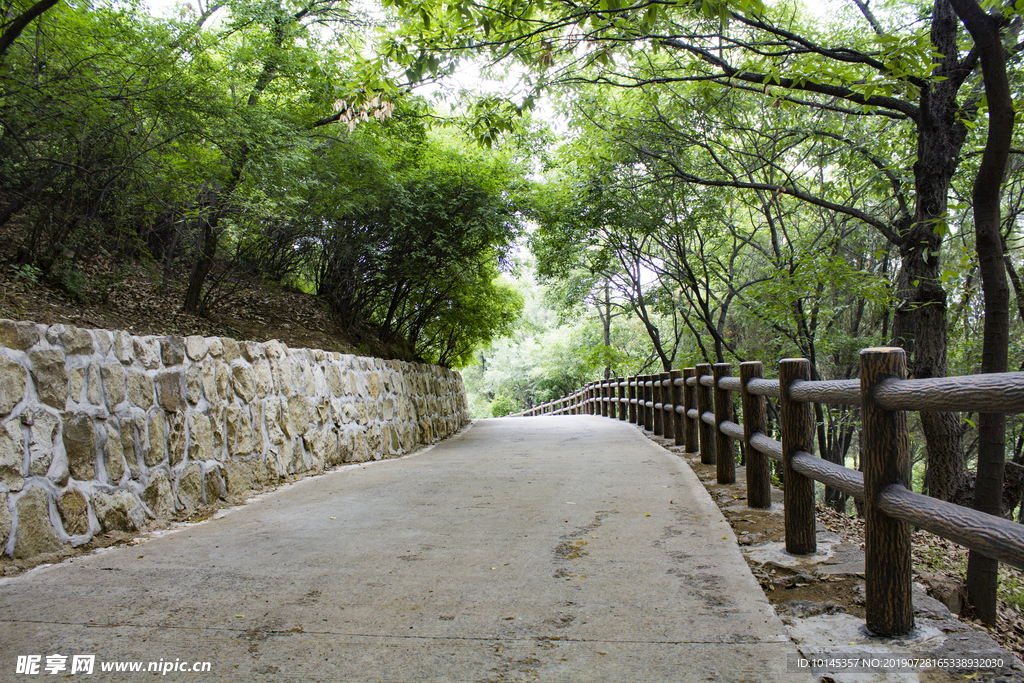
(132, 297)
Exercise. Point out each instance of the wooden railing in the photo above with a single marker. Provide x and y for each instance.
(695, 408)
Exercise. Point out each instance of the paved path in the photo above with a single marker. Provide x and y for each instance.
(548, 548)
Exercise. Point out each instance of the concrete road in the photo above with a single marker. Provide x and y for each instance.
(538, 549)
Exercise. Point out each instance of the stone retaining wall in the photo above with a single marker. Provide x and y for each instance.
(101, 430)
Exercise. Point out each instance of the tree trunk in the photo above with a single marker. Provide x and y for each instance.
(919, 323)
(982, 572)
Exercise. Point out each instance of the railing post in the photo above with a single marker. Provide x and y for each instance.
(884, 452)
(643, 391)
(675, 398)
(648, 397)
(689, 401)
(726, 465)
(657, 414)
(705, 402)
(755, 419)
(663, 379)
(631, 381)
(591, 397)
(620, 391)
(602, 388)
(641, 397)
(797, 435)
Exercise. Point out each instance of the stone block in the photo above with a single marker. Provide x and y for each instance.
(231, 349)
(274, 467)
(373, 385)
(43, 430)
(124, 348)
(298, 463)
(19, 336)
(156, 449)
(194, 384)
(76, 384)
(213, 488)
(334, 381)
(281, 369)
(113, 385)
(176, 438)
(238, 477)
(73, 508)
(80, 445)
(128, 447)
(239, 431)
(308, 380)
(119, 511)
(5, 521)
(169, 391)
(114, 454)
(244, 380)
(264, 379)
(53, 333)
(94, 392)
(36, 534)
(147, 351)
(190, 487)
(201, 443)
(272, 416)
(298, 414)
(252, 351)
(215, 347)
(315, 445)
(217, 414)
(76, 341)
(159, 496)
(208, 370)
(196, 347)
(12, 453)
(360, 450)
(140, 389)
(104, 340)
(225, 388)
(172, 350)
(275, 348)
(50, 376)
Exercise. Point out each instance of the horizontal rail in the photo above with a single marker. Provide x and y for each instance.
(767, 445)
(732, 430)
(998, 392)
(850, 482)
(833, 392)
(730, 383)
(995, 537)
(764, 387)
